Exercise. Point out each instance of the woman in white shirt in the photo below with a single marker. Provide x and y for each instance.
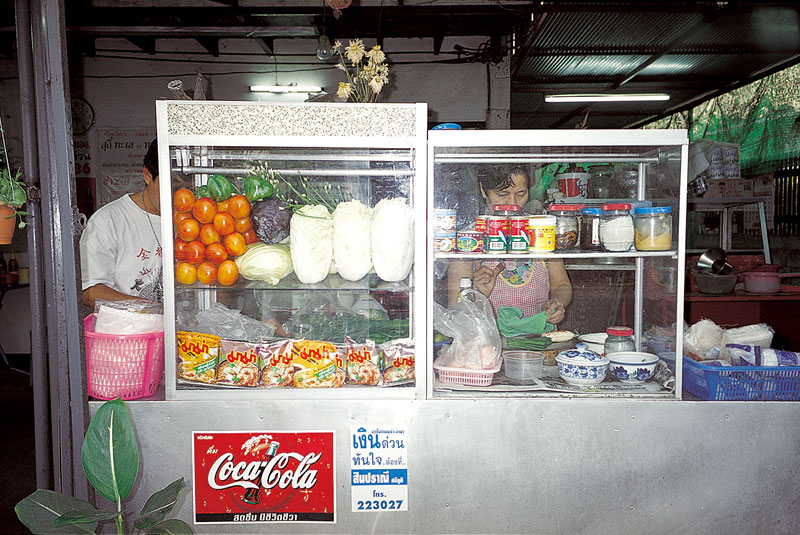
(121, 245)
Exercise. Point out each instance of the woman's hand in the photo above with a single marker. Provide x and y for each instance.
(554, 310)
(484, 277)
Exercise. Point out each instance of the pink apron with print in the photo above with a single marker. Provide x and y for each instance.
(527, 291)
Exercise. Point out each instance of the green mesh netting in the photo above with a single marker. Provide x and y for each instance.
(762, 117)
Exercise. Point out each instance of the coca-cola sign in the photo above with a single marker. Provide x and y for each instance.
(264, 477)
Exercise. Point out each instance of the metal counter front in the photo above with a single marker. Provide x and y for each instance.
(523, 466)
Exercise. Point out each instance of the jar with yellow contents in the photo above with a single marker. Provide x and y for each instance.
(653, 228)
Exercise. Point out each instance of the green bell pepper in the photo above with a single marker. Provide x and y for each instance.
(204, 191)
(221, 188)
(257, 188)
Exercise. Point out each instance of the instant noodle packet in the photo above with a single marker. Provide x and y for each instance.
(363, 362)
(317, 365)
(238, 364)
(398, 361)
(198, 354)
(276, 357)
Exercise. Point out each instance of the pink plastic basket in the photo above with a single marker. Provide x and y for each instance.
(466, 376)
(127, 366)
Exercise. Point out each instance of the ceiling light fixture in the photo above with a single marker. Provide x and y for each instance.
(606, 97)
(285, 89)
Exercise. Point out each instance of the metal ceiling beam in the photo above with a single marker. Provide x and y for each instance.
(211, 44)
(267, 45)
(145, 44)
(189, 32)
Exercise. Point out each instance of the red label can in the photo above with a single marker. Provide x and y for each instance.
(496, 234)
(480, 223)
(518, 239)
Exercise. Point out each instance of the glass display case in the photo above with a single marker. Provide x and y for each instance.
(629, 273)
(291, 248)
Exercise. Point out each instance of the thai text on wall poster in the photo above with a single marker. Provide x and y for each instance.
(120, 153)
(264, 477)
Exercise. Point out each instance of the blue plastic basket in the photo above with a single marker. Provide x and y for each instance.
(741, 383)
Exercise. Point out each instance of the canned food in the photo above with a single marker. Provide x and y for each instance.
(542, 233)
(444, 243)
(518, 239)
(480, 223)
(469, 241)
(496, 234)
(444, 221)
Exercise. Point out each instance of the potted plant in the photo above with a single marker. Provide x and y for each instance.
(110, 456)
(12, 195)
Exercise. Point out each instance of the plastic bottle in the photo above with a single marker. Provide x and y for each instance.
(464, 284)
(13, 266)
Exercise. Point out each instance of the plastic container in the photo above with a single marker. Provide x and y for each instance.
(653, 228)
(573, 184)
(127, 366)
(741, 383)
(710, 283)
(523, 366)
(616, 228)
(590, 229)
(618, 339)
(465, 376)
(542, 234)
(567, 229)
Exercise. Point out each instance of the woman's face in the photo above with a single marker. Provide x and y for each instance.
(515, 193)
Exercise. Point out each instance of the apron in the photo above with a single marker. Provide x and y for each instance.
(523, 284)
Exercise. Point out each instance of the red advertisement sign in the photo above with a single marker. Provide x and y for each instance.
(251, 477)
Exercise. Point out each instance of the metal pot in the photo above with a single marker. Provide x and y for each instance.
(764, 282)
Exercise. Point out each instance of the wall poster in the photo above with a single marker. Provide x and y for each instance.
(263, 477)
(119, 153)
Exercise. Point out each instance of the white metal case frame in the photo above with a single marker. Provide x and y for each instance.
(306, 125)
(505, 139)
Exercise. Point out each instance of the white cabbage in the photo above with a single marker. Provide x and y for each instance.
(351, 239)
(265, 262)
(311, 243)
(392, 239)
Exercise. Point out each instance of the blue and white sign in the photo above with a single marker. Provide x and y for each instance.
(379, 469)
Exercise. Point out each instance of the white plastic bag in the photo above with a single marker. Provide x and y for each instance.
(128, 316)
(476, 340)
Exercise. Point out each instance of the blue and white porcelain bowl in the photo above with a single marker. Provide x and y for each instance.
(632, 366)
(582, 366)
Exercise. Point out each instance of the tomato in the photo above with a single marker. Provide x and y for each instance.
(235, 244)
(250, 236)
(222, 206)
(204, 210)
(207, 273)
(180, 250)
(195, 252)
(224, 223)
(185, 273)
(183, 200)
(208, 234)
(238, 206)
(188, 229)
(243, 224)
(227, 273)
(216, 253)
(177, 216)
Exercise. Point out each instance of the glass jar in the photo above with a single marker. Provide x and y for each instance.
(616, 228)
(653, 228)
(567, 228)
(600, 183)
(627, 184)
(506, 210)
(618, 339)
(590, 229)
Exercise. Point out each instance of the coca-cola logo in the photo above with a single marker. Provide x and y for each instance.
(225, 473)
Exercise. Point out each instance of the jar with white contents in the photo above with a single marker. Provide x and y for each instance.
(653, 228)
(616, 228)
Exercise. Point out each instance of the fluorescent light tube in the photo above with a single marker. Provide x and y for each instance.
(285, 89)
(607, 97)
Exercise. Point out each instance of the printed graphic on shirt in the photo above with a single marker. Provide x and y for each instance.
(149, 284)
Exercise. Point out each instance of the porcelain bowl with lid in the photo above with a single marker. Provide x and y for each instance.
(581, 366)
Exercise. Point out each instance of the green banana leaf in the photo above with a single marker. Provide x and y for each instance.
(84, 517)
(110, 455)
(159, 505)
(40, 509)
(171, 527)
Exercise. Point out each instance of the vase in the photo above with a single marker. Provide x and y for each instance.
(8, 220)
